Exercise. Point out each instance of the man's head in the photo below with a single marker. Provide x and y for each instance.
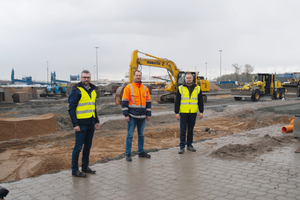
(189, 78)
(137, 76)
(85, 77)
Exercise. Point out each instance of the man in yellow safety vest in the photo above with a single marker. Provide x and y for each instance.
(83, 113)
(188, 101)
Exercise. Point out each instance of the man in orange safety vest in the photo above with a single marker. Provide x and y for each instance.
(136, 107)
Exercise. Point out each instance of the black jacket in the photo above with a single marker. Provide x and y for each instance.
(74, 98)
(178, 99)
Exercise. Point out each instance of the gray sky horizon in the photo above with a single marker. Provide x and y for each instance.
(263, 34)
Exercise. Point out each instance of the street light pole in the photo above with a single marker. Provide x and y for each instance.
(47, 73)
(97, 62)
(206, 70)
(225, 74)
(220, 63)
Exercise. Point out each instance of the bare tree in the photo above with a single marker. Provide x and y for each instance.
(237, 70)
(248, 70)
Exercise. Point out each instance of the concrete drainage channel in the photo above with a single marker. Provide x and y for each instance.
(292, 109)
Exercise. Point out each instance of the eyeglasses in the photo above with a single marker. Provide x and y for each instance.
(85, 77)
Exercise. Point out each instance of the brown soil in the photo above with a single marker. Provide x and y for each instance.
(250, 151)
(41, 148)
(27, 126)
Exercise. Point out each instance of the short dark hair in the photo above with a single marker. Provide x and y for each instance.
(85, 72)
(189, 74)
(137, 71)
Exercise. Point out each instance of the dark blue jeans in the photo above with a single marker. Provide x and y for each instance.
(140, 124)
(82, 138)
(187, 121)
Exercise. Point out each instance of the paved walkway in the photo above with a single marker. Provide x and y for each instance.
(168, 175)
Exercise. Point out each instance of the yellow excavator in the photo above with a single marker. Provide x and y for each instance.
(176, 77)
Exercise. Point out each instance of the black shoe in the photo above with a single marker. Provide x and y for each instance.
(88, 170)
(128, 158)
(3, 192)
(79, 174)
(181, 151)
(144, 155)
(191, 148)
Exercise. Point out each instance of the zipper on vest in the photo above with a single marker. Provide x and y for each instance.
(140, 94)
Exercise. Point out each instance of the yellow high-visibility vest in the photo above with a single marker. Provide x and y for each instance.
(86, 105)
(189, 104)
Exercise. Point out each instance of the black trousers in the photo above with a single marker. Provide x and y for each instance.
(187, 122)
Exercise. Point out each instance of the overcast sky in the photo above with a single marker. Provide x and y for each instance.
(262, 33)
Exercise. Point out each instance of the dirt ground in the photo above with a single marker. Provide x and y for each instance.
(38, 144)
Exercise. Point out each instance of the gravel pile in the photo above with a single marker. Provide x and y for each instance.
(227, 85)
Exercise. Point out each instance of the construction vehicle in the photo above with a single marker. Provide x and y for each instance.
(176, 77)
(293, 85)
(264, 84)
(205, 86)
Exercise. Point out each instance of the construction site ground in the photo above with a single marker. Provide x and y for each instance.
(37, 137)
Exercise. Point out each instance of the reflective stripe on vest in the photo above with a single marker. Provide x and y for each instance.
(86, 105)
(189, 104)
(132, 98)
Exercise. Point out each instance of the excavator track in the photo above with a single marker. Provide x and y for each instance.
(165, 98)
(170, 97)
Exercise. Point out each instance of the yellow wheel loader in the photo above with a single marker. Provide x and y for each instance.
(293, 85)
(265, 84)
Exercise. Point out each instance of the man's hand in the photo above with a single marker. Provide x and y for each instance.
(147, 118)
(97, 125)
(200, 115)
(77, 128)
(127, 119)
(177, 116)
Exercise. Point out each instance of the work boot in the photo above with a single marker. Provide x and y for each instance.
(191, 148)
(128, 158)
(3, 192)
(181, 151)
(88, 170)
(144, 155)
(79, 174)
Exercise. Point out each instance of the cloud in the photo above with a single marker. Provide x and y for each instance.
(190, 33)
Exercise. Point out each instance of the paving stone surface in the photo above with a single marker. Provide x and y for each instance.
(169, 175)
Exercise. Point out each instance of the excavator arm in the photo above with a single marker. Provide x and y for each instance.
(169, 65)
(173, 72)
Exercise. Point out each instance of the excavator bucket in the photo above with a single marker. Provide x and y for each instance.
(119, 94)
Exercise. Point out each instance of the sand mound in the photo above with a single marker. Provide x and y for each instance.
(27, 126)
(250, 151)
(214, 87)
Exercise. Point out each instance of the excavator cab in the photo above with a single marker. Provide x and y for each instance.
(296, 77)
